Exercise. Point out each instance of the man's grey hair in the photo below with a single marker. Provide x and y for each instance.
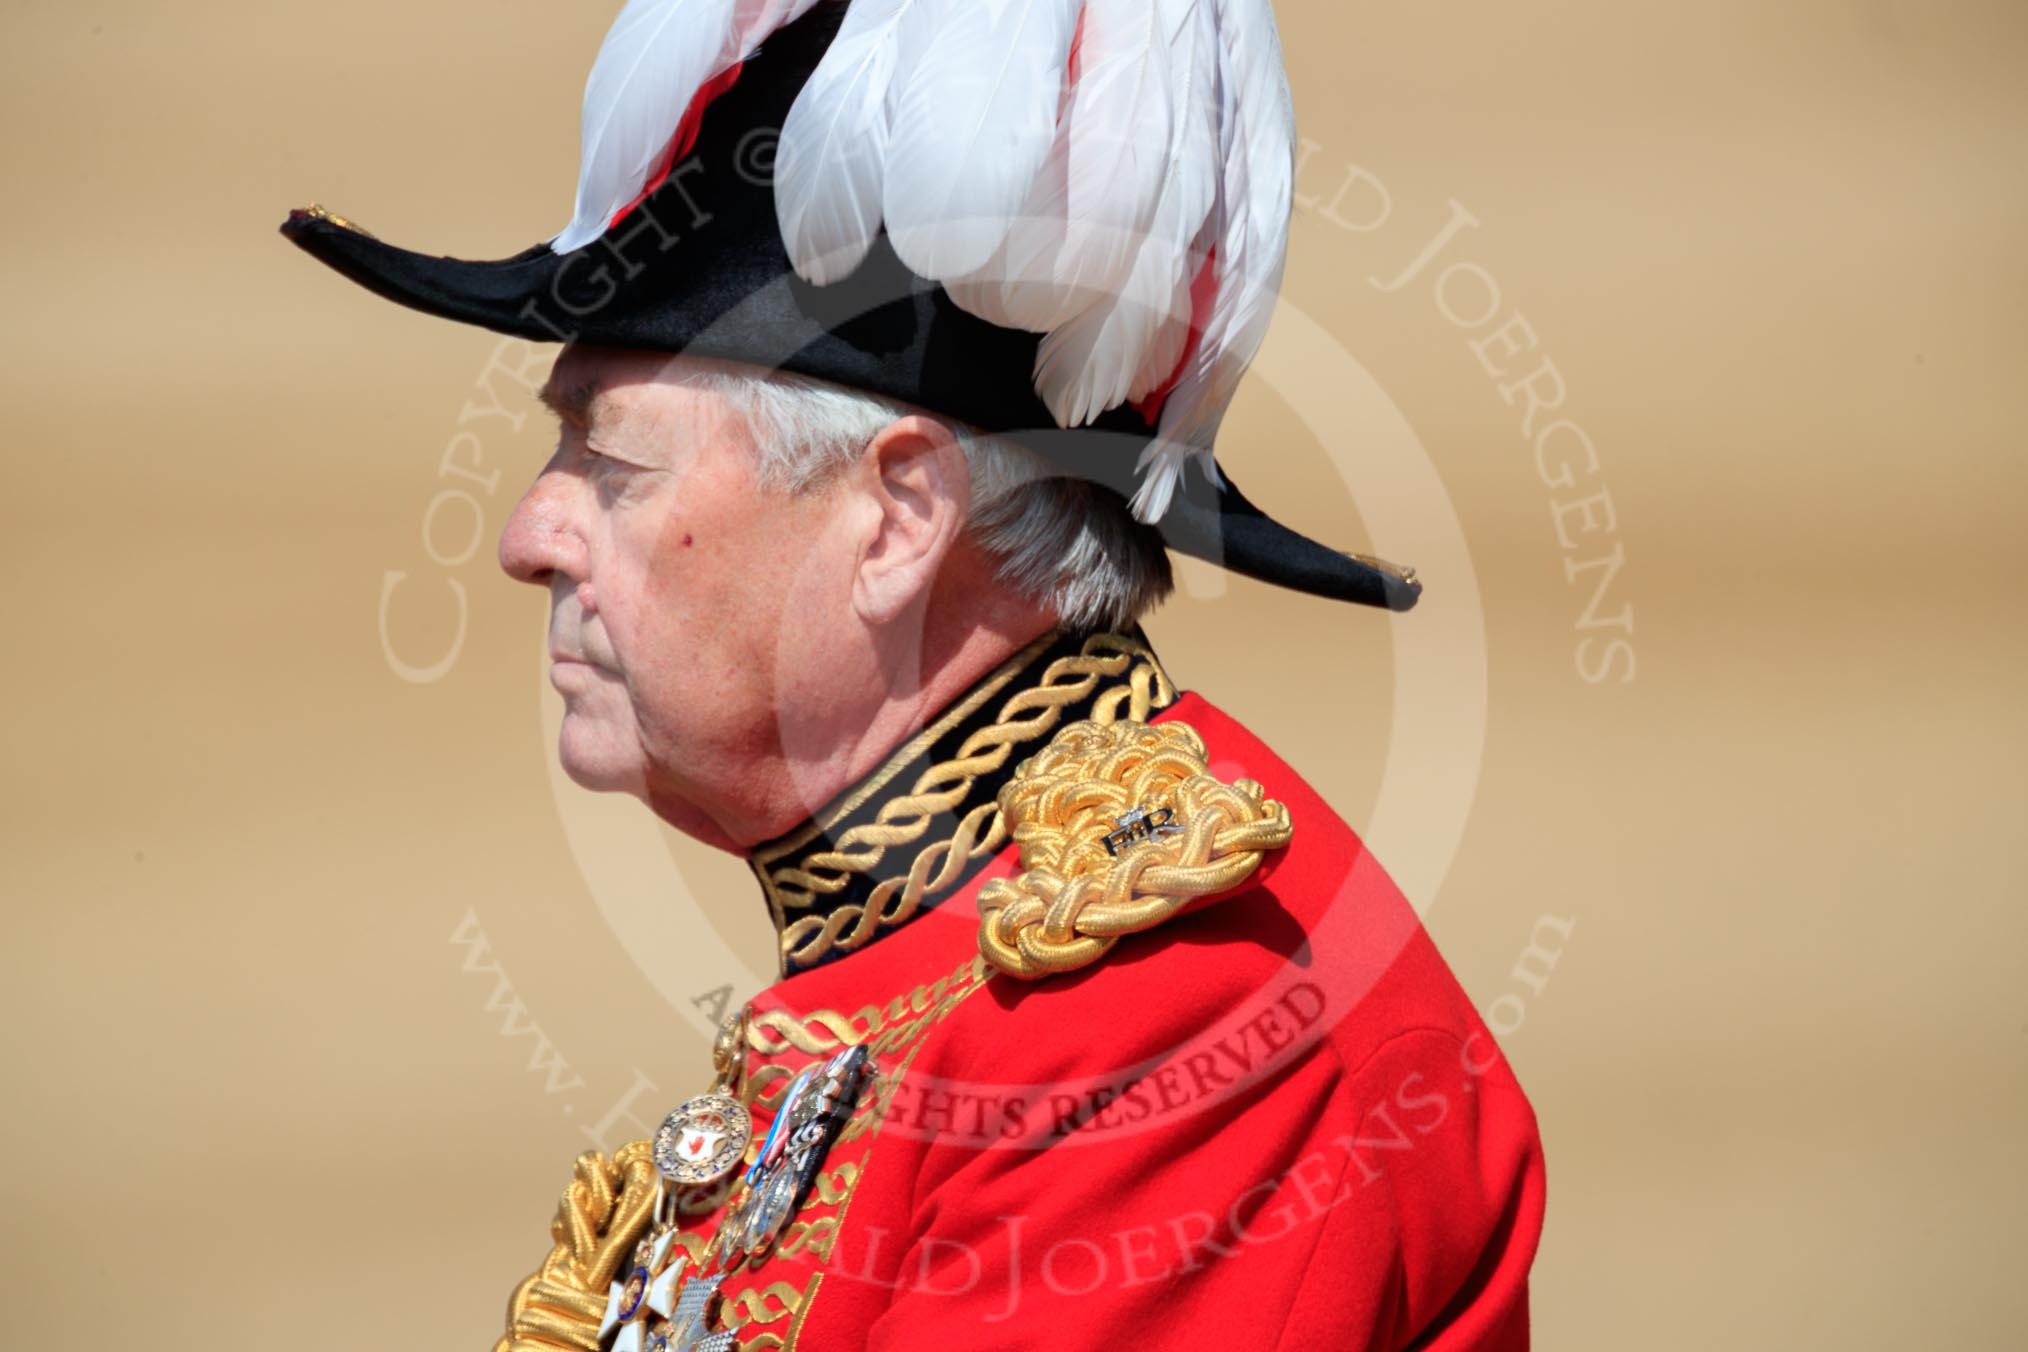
(1061, 542)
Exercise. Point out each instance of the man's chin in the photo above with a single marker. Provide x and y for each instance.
(591, 763)
(596, 762)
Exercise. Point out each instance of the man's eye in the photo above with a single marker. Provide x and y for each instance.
(609, 468)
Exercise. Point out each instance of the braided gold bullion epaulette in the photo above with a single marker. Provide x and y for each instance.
(1121, 825)
(603, 1212)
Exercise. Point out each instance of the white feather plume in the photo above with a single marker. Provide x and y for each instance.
(831, 162)
(1118, 139)
(1072, 196)
(1018, 287)
(1125, 343)
(1255, 190)
(1095, 195)
(975, 105)
(755, 19)
(655, 58)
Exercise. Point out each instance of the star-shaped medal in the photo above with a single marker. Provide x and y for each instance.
(689, 1328)
(650, 1286)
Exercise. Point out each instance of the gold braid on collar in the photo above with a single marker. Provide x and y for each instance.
(929, 819)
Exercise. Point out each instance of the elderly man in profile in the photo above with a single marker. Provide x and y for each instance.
(1096, 1026)
(760, 584)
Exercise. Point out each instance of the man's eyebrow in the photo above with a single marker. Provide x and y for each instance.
(575, 402)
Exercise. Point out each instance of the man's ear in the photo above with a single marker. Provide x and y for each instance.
(915, 474)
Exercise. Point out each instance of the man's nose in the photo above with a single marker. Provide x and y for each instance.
(540, 537)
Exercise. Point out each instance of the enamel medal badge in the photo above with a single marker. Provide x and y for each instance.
(666, 1302)
(813, 1110)
(703, 1141)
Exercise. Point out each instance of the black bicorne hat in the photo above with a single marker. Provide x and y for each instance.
(697, 264)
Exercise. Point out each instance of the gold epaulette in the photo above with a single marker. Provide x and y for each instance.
(1121, 825)
(603, 1212)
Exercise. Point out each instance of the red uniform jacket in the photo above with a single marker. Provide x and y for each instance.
(1274, 1120)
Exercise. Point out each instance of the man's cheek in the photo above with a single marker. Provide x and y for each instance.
(681, 568)
(670, 535)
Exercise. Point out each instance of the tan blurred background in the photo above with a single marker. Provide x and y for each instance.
(1776, 252)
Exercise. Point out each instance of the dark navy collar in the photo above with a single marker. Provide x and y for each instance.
(912, 833)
